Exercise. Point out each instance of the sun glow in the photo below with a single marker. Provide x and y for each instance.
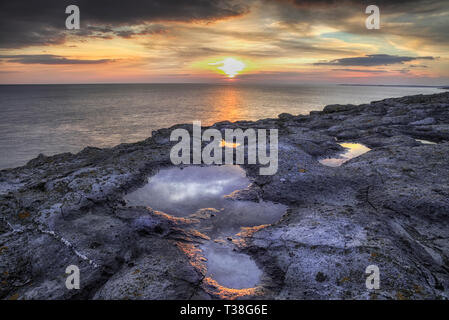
(230, 66)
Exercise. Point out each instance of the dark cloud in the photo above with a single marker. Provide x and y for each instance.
(403, 71)
(147, 30)
(415, 6)
(30, 23)
(425, 20)
(27, 23)
(372, 60)
(360, 70)
(48, 59)
(108, 32)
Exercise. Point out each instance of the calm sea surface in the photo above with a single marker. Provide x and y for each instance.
(51, 119)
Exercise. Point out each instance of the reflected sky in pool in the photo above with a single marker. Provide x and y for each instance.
(199, 192)
(229, 268)
(181, 192)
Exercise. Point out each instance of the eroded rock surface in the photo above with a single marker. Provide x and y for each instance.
(388, 207)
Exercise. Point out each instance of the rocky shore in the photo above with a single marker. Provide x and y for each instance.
(388, 207)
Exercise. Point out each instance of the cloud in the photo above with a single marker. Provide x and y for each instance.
(127, 32)
(372, 60)
(288, 76)
(403, 71)
(415, 6)
(146, 30)
(49, 59)
(424, 21)
(29, 23)
(361, 70)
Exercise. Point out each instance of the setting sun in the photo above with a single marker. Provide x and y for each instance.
(230, 66)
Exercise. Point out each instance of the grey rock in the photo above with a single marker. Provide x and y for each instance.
(425, 121)
(388, 207)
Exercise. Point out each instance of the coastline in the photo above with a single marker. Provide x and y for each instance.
(392, 85)
(96, 116)
(386, 207)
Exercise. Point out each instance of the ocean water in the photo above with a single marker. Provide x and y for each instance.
(51, 119)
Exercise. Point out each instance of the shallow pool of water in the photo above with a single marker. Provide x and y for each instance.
(200, 192)
(352, 150)
(181, 192)
(229, 268)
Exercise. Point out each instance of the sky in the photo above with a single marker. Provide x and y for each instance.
(235, 41)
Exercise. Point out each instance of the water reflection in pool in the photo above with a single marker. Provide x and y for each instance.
(181, 192)
(352, 150)
(229, 268)
(199, 192)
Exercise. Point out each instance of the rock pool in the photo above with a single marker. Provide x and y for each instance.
(352, 150)
(201, 192)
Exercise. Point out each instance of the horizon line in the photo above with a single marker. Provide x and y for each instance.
(442, 86)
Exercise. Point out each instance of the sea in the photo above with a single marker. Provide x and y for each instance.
(52, 119)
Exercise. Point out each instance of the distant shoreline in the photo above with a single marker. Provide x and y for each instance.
(392, 85)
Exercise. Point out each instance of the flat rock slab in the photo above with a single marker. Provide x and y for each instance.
(388, 207)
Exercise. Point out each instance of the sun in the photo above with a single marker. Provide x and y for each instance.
(230, 66)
